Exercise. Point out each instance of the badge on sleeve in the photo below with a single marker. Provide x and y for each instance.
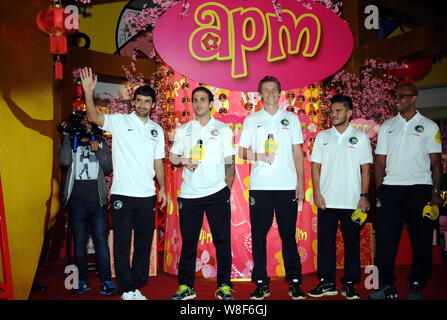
(438, 137)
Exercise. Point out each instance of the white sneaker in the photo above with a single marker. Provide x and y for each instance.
(138, 296)
(129, 295)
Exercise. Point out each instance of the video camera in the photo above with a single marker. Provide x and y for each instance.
(77, 130)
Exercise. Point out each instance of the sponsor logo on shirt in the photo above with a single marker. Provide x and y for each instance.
(129, 129)
(418, 129)
(118, 204)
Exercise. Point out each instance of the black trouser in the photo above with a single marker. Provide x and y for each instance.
(263, 204)
(327, 233)
(218, 212)
(397, 204)
(138, 214)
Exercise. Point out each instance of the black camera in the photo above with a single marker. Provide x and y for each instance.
(77, 130)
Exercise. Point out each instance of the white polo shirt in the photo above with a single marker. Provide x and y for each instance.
(407, 145)
(286, 130)
(217, 144)
(135, 146)
(340, 156)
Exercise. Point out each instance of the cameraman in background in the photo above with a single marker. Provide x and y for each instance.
(85, 195)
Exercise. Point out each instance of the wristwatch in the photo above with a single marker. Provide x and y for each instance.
(364, 195)
(437, 191)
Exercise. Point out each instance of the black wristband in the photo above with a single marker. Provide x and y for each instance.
(365, 195)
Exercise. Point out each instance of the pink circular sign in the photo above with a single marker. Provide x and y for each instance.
(232, 44)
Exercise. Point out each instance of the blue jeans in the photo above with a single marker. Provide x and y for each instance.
(84, 217)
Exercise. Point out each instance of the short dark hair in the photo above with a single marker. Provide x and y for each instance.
(347, 101)
(269, 79)
(146, 91)
(206, 90)
(412, 87)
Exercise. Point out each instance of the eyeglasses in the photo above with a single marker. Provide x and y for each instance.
(400, 96)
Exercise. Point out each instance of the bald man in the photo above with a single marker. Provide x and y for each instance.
(408, 175)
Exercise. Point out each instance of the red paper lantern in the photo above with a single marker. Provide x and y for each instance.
(413, 70)
(52, 21)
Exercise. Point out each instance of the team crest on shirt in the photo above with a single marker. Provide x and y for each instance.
(215, 133)
(252, 201)
(353, 140)
(118, 204)
(285, 122)
(154, 133)
(419, 129)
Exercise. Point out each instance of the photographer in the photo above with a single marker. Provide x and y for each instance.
(85, 195)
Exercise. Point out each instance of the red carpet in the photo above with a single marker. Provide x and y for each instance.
(163, 286)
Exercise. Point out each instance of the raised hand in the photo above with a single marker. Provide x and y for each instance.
(88, 80)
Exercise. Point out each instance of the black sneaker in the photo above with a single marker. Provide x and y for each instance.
(224, 292)
(350, 292)
(385, 291)
(108, 288)
(184, 293)
(262, 291)
(83, 287)
(415, 291)
(324, 289)
(295, 291)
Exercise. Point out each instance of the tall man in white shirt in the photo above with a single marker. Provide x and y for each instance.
(204, 148)
(408, 176)
(272, 139)
(341, 161)
(137, 155)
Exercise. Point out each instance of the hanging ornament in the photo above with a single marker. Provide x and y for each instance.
(185, 114)
(52, 21)
(290, 108)
(223, 111)
(185, 100)
(58, 72)
(185, 86)
(301, 111)
(248, 106)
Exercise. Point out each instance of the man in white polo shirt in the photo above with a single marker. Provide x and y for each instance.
(204, 148)
(408, 176)
(341, 161)
(137, 155)
(272, 139)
